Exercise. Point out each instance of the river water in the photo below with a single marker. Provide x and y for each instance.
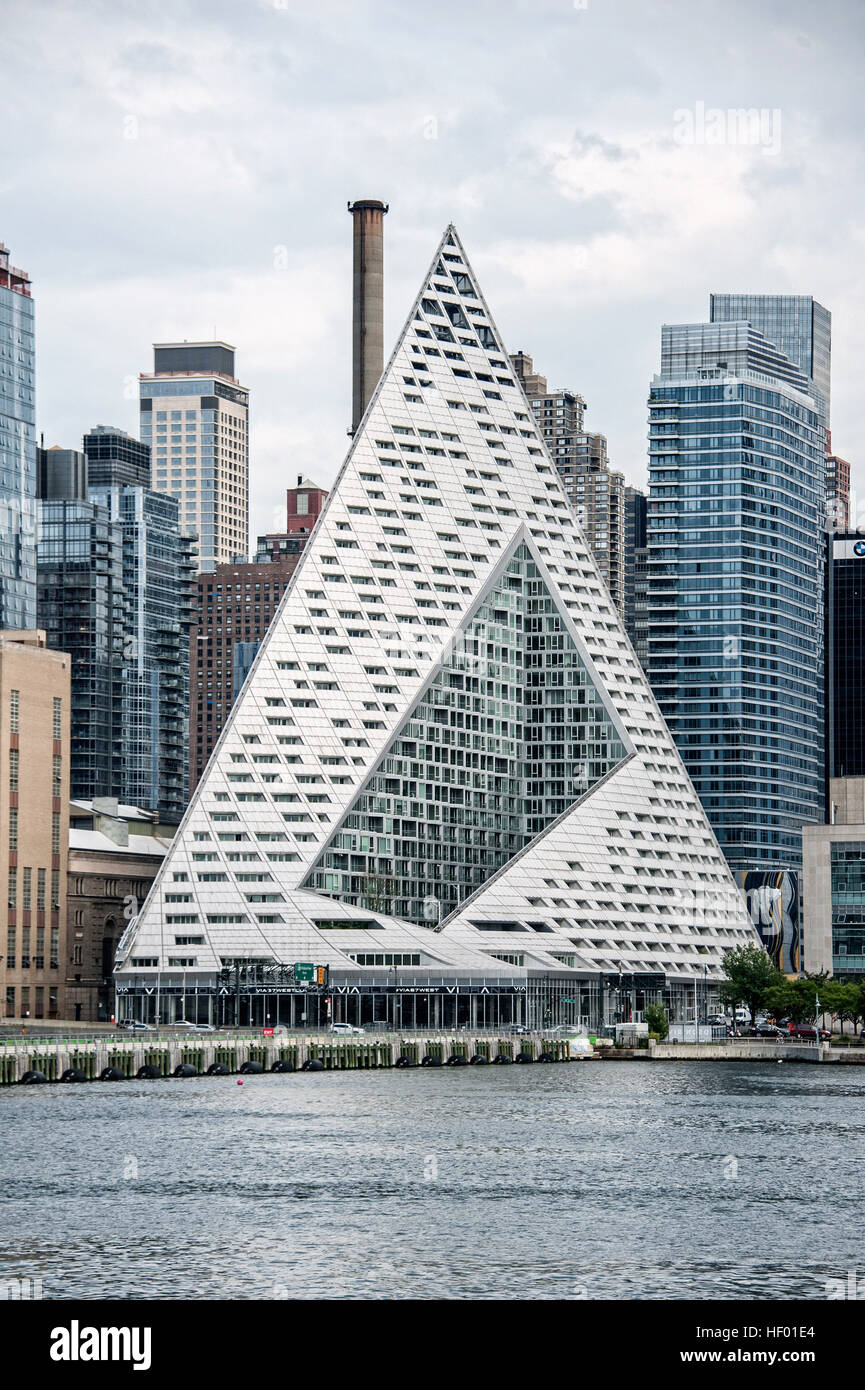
(592, 1180)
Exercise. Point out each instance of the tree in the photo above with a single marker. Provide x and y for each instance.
(797, 999)
(785, 999)
(749, 975)
(857, 988)
(656, 1017)
(840, 998)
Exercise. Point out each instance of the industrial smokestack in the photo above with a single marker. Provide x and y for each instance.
(368, 310)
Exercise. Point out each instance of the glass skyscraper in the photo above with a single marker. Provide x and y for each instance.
(636, 511)
(735, 576)
(158, 572)
(17, 448)
(115, 459)
(115, 590)
(82, 609)
(795, 323)
(845, 652)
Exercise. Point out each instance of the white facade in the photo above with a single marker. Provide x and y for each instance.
(447, 480)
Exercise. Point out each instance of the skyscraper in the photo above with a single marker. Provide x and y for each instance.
(597, 493)
(158, 572)
(17, 448)
(446, 759)
(735, 582)
(195, 417)
(115, 459)
(115, 589)
(636, 555)
(845, 655)
(62, 473)
(797, 325)
(83, 609)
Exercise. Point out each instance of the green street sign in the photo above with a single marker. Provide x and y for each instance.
(304, 970)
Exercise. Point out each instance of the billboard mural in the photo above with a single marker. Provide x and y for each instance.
(773, 903)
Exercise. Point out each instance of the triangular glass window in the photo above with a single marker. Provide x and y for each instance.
(510, 732)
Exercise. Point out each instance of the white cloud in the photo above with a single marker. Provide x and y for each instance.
(552, 148)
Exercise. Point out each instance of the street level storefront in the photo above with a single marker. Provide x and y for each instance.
(268, 995)
(441, 1002)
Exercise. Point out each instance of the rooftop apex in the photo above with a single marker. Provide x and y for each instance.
(11, 277)
(197, 343)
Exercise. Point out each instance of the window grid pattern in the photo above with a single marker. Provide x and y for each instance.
(510, 732)
(447, 473)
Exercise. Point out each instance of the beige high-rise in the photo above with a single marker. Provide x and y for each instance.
(195, 417)
(34, 824)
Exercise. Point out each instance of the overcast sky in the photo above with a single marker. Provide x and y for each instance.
(180, 168)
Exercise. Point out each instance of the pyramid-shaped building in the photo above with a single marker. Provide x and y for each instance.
(445, 778)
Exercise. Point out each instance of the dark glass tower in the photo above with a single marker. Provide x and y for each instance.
(735, 584)
(635, 568)
(115, 590)
(82, 607)
(158, 572)
(17, 448)
(846, 655)
(115, 459)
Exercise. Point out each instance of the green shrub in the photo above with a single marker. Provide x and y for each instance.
(656, 1017)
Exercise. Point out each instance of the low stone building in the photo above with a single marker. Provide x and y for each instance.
(114, 854)
(833, 884)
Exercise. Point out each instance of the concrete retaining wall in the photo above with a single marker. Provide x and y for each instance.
(741, 1052)
(335, 1053)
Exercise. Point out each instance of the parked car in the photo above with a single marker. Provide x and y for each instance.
(718, 1020)
(807, 1030)
(767, 1030)
(344, 1028)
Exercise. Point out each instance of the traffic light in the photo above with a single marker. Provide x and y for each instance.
(322, 974)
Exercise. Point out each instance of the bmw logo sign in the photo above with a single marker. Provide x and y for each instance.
(859, 548)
